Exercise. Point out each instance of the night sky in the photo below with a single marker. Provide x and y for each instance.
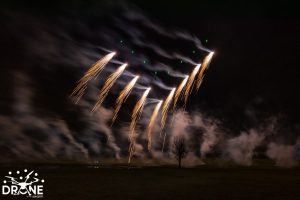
(253, 77)
(256, 61)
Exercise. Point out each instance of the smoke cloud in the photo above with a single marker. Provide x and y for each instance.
(241, 148)
(283, 155)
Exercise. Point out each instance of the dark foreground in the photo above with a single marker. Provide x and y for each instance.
(82, 182)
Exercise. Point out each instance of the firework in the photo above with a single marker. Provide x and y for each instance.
(107, 85)
(190, 83)
(93, 71)
(179, 90)
(165, 108)
(137, 110)
(164, 113)
(205, 65)
(151, 123)
(123, 96)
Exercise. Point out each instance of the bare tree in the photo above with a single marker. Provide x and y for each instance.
(179, 148)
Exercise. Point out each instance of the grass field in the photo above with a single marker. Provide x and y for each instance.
(166, 182)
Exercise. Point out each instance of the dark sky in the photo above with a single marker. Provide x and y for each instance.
(257, 49)
(257, 53)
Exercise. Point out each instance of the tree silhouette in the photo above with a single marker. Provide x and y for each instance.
(179, 148)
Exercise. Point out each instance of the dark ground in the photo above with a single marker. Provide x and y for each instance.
(82, 182)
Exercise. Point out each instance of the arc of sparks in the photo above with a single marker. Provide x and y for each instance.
(123, 96)
(107, 85)
(137, 110)
(179, 90)
(93, 71)
(165, 108)
(205, 65)
(152, 122)
(190, 83)
(164, 116)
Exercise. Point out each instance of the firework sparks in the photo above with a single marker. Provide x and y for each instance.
(164, 112)
(93, 71)
(179, 90)
(137, 110)
(107, 86)
(205, 65)
(190, 83)
(151, 123)
(123, 96)
(165, 108)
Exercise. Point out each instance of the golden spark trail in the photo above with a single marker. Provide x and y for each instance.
(179, 91)
(190, 83)
(137, 110)
(205, 65)
(93, 71)
(107, 85)
(123, 96)
(151, 123)
(165, 108)
(164, 114)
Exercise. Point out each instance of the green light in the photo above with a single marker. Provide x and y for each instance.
(144, 61)
(181, 61)
(155, 72)
(132, 51)
(206, 40)
(121, 41)
(194, 51)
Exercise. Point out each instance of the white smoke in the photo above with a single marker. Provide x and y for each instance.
(28, 137)
(284, 155)
(211, 134)
(241, 148)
